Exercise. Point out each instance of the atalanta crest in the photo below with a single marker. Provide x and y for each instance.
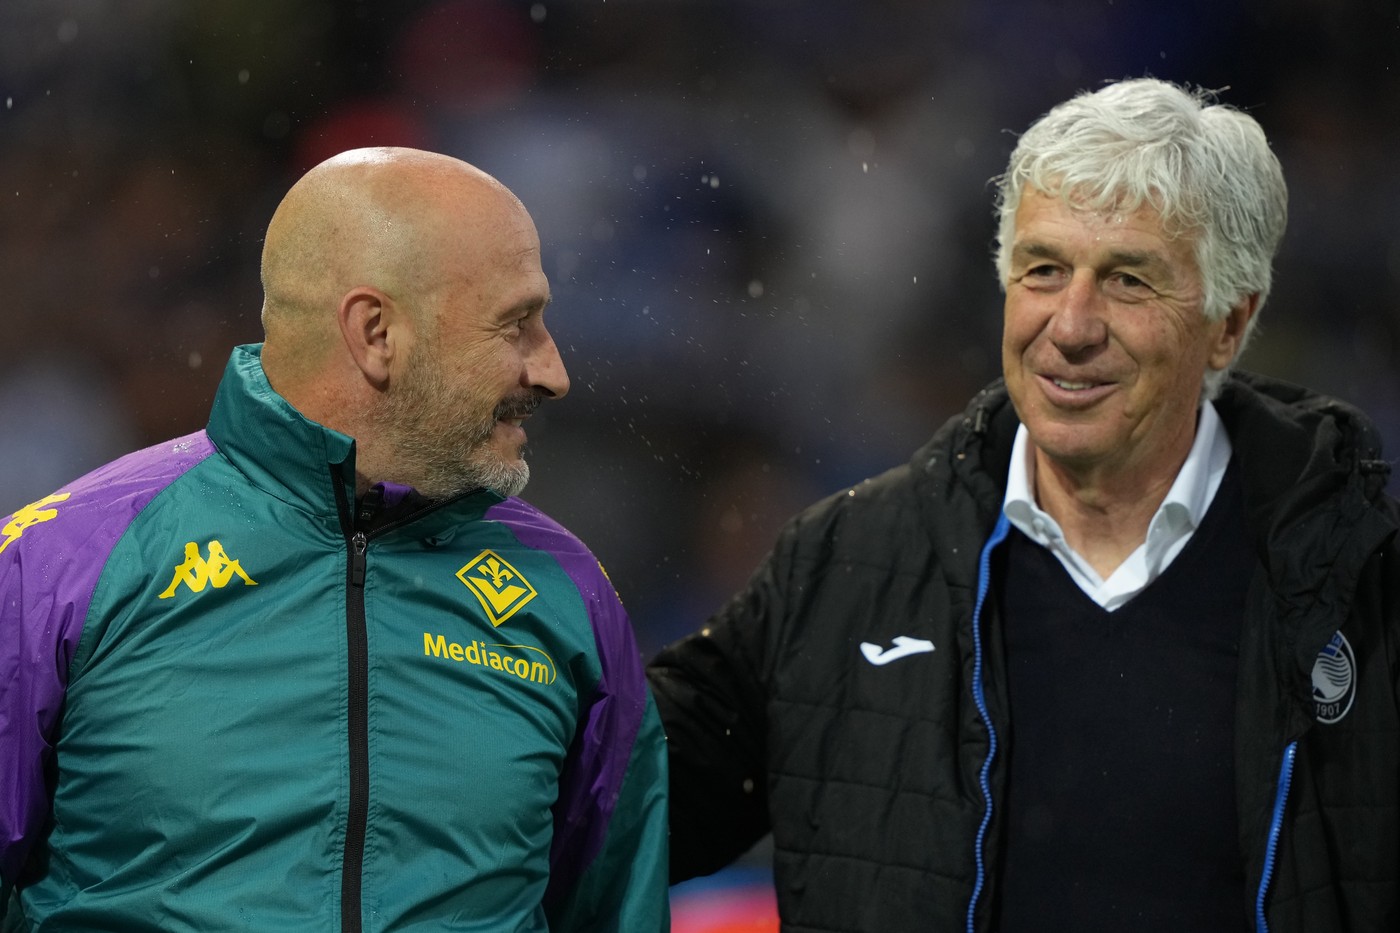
(1333, 680)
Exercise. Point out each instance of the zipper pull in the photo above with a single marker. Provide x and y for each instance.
(370, 504)
(358, 545)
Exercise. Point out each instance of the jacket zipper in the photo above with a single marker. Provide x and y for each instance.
(357, 714)
(357, 707)
(979, 697)
(1285, 781)
(360, 529)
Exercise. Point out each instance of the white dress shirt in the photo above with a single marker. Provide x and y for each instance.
(1176, 519)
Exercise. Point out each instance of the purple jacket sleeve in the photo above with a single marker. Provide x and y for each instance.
(608, 861)
(52, 553)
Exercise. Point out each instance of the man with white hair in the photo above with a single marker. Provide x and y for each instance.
(1117, 649)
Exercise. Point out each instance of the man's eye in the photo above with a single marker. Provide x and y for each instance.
(1042, 276)
(1128, 286)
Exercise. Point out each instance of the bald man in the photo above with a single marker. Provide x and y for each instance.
(316, 666)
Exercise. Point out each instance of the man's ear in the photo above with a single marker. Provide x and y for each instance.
(1231, 336)
(369, 323)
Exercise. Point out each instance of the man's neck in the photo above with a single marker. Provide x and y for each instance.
(1103, 519)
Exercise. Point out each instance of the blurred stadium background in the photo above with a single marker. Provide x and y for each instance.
(767, 224)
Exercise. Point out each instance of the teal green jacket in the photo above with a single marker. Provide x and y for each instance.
(232, 699)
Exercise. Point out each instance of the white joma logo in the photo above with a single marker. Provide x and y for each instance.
(903, 647)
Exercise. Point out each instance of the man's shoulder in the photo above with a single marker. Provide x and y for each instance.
(1285, 433)
(55, 550)
(959, 473)
(99, 506)
(1248, 397)
(537, 531)
(535, 527)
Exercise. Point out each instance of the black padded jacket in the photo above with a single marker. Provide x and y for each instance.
(882, 784)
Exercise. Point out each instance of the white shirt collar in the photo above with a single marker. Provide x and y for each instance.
(1175, 520)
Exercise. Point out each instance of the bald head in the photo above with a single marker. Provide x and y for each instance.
(404, 303)
(388, 218)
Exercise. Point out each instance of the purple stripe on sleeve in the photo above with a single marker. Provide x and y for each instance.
(52, 553)
(597, 761)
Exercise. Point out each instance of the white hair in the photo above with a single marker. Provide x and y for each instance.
(1205, 167)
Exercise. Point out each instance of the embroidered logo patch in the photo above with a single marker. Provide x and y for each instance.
(498, 586)
(1334, 680)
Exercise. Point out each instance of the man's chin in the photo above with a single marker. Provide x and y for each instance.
(505, 477)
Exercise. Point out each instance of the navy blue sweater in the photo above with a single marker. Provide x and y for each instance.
(1121, 798)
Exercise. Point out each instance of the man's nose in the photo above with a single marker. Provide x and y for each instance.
(1079, 322)
(544, 367)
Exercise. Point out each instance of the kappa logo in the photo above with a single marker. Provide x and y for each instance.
(197, 572)
(1334, 680)
(499, 587)
(32, 514)
(904, 646)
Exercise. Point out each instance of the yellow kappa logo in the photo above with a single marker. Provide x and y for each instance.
(196, 571)
(498, 586)
(32, 514)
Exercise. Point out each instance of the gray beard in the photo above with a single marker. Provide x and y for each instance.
(441, 471)
(443, 459)
(507, 479)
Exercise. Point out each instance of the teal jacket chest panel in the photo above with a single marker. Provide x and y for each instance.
(470, 722)
(244, 654)
(203, 773)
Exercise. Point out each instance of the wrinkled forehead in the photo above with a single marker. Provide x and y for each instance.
(1100, 198)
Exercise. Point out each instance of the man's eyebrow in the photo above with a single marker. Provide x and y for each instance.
(1134, 259)
(1034, 250)
(1127, 257)
(531, 305)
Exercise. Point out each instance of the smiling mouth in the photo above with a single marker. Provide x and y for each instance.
(516, 410)
(1072, 386)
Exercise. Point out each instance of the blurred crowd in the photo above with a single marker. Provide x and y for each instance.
(767, 223)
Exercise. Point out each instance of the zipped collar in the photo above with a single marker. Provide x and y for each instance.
(279, 450)
(289, 456)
